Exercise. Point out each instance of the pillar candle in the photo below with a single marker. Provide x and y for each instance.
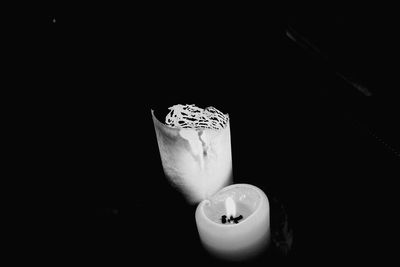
(238, 239)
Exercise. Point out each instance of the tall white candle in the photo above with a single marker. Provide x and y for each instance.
(235, 241)
(195, 150)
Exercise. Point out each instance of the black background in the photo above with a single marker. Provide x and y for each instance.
(325, 154)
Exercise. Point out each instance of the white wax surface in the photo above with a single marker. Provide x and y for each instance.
(217, 210)
(235, 241)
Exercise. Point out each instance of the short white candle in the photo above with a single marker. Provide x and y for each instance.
(235, 241)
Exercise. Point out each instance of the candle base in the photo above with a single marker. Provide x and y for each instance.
(242, 254)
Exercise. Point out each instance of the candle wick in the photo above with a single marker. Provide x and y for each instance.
(230, 219)
(223, 219)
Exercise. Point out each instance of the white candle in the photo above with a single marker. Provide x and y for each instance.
(196, 156)
(234, 240)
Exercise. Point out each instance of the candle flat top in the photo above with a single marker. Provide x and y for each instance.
(248, 196)
(217, 212)
(246, 199)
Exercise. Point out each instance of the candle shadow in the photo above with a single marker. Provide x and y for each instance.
(281, 231)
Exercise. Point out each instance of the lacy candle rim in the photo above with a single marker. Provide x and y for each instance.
(188, 128)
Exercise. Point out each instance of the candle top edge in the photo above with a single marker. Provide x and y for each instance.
(198, 128)
(237, 191)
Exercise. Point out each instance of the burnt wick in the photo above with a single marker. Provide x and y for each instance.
(231, 219)
(223, 219)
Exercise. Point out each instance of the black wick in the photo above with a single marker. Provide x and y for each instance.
(231, 219)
